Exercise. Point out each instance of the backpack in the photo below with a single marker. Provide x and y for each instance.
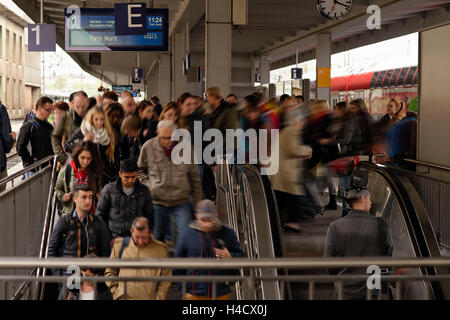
(67, 176)
(125, 243)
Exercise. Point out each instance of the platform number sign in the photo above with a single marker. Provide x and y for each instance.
(130, 18)
(41, 37)
(334, 9)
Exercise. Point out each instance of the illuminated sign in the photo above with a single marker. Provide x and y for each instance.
(95, 31)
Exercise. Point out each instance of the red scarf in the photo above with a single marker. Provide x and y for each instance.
(169, 150)
(81, 177)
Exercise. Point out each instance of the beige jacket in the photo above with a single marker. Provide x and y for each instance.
(291, 154)
(139, 290)
(169, 184)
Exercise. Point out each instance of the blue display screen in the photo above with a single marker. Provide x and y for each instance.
(97, 32)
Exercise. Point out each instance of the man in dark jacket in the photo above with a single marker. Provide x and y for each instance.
(193, 115)
(36, 133)
(358, 234)
(224, 116)
(206, 237)
(80, 233)
(124, 200)
(68, 124)
(7, 139)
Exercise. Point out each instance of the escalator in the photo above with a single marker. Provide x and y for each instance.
(255, 218)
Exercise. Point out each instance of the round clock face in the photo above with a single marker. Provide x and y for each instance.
(334, 9)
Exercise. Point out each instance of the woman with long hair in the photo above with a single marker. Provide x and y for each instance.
(172, 112)
(149, 124)
(96, 128)
(84, 168)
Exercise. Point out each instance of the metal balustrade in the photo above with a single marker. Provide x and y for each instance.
(250, 280)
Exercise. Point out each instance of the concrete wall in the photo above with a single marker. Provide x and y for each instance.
(434, 114)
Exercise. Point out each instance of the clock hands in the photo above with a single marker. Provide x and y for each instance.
(342, 4)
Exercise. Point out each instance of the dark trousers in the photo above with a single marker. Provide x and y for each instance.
(293, 208)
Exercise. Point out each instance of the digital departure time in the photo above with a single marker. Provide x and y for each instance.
(334, 9)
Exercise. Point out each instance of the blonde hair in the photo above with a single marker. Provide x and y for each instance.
(215, 91)
(112, 145)
(172, 105)
(320, 105)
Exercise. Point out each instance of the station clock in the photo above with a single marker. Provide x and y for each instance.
(334, 9)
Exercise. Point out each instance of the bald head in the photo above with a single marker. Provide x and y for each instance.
(129, 105)
(140, 232)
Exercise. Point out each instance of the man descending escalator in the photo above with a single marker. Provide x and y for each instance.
(358, 234)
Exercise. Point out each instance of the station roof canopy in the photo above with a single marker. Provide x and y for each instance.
(276, 28)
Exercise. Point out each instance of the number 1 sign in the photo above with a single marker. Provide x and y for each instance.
(41, 37)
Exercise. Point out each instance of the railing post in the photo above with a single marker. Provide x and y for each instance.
(427, 293)
(311, 290)
(154, 290)
(368, 294)
(183, 293)
(340, 290)
(398, 290)
(214, 290)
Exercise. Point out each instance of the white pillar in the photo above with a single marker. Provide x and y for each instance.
(323, 66)
(178, 54)
(165, 86)
(218, 45)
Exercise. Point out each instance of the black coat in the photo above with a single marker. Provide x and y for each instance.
(72, 238)
(111, 168)
(315, 130)
(119, 210)
(129, 147)
(37, 133)
(151, 126)
(189, 122)
(6, 141)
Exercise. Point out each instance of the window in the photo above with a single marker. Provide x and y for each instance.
(8, 46)
(6, 92)
(14, 44)
(20, 50)
(14, 94)
(1, 41)
(20, 94)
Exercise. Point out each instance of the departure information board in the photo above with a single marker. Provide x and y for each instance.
(94, 30)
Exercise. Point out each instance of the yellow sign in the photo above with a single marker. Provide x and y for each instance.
(323, 77)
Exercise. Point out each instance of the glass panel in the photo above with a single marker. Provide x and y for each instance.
(385, 205)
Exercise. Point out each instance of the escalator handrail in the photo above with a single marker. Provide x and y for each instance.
(417, 221)
(405, 203)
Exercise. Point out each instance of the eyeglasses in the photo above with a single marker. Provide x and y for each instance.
(48, 110)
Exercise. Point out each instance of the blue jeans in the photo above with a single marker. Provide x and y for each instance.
(163, 226)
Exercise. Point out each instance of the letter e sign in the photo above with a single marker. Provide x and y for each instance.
(130, 19)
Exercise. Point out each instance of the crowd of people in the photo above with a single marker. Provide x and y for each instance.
(118, 189)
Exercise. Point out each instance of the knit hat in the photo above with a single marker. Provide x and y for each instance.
(206, 209)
